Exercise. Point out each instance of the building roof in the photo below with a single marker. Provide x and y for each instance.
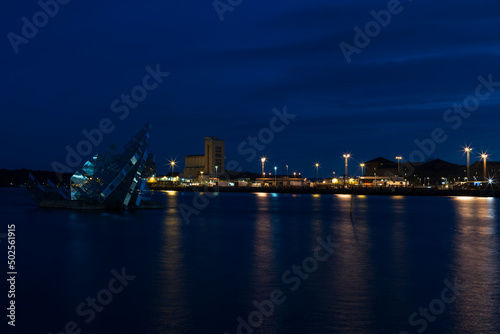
(381, 160)
(488, 163)
(438, 163)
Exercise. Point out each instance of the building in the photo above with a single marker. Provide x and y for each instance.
(382, 181)
(432, 172)
(477, 170)
(193, 166)
(214, 156)
(280, 181)
(210, 164)
(381, 167)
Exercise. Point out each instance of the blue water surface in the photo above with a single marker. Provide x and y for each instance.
(257, 263)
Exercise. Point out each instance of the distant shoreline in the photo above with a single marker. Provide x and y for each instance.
(410, 191)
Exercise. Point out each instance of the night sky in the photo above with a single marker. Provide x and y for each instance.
(226, 77)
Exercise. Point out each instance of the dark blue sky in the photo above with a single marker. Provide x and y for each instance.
(225, 78)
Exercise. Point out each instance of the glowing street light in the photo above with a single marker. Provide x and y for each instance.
(216, 168)
(484, 157)
(467, 150)
(398, 158)
(172, 164)
(287, 171)
(263, 160)
(294, 174)
(362, 165)
(275, 169)
(346, 157)
(317, 167)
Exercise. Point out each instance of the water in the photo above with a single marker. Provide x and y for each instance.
(390, 259)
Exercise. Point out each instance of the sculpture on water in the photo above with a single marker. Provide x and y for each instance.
(112, 180)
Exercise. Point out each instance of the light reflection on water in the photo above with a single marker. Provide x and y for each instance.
(389, 263)
(264, 257)
(393, 255)
(171, 296)
(476, 265)
(350, 267)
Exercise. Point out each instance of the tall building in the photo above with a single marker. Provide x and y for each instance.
(214, 156)
(211, 163)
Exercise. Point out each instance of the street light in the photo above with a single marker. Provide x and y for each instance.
(467, 150)
(317, 166)
(216, 168)
(275, 168)
(398, 158)
(294, 174)
(362, 165)
(346, 157)
(172, 163)
(287, 171)
(263, 160)
(484, 156)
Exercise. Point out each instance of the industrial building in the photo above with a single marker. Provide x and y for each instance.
(210, 164)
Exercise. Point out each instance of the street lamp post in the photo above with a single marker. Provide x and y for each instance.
(484, 156)
(275, 169)
(317, 167)
(467, 150)
(172, 163)
(346, 157)
(263, 160)
(398, 158)
(216, 168)
(287, 171)
(362, 165)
